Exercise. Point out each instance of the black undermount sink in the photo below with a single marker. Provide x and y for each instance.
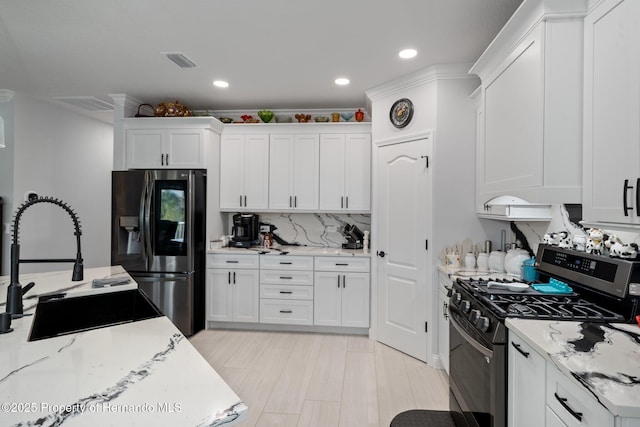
(68, 315)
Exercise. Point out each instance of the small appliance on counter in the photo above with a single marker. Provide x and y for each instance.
(354, 237)
(245, 230)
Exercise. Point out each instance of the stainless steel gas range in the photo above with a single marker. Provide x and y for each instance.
(597, 289)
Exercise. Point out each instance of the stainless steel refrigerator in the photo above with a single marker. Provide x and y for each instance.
(158, 236)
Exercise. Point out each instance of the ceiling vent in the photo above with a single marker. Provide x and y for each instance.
(180, 60)
(89, 103)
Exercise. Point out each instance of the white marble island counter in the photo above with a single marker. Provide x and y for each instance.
(135, 374)
(603, 358)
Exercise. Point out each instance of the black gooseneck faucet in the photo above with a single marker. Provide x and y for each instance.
(15, 291)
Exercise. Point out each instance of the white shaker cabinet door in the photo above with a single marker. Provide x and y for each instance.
(611, 170)
(256, 172)
(244, 172)
(355, 300)
(185, 148)
(219, 296)
(358, 172)
(246, 295)
(327, 298)
(332, 172)
(294, 171)
(144, 148)
(306, 171)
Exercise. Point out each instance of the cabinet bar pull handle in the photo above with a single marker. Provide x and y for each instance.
(520, 350)
(625, 190)
(245, 201)
(344, 281)
(229, 278)
(286, 277)
(563, 402)
(338, 280)
(234, 277)
(161, 159)
(166, 159)
(286, 292)
(286, 311)
(285, 263)
(290, 202)
(341, 202)
(347, 204)
(295, 201)
(231, 261)
(241, 200)
(638, 197)
(344, 264)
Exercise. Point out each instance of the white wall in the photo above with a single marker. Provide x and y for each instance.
(63, 154)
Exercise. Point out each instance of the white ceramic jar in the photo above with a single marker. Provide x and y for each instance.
(496, 262)
(483, 261)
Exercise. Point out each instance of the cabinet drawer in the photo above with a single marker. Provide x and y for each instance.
(570, 402)
(286, 262)
(286, 277)
(286, 312)
(286, 292)
(342, 264)
(232, 261)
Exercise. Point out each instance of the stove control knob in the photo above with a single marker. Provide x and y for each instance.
(456, 297)
(474, 316)
(483, 323)
(466, 306)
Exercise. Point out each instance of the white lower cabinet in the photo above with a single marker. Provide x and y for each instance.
(341, 294)
(542, 395)
(569, 405)
(232, 288)
(443, 320)
(526, 385)
(286, 290)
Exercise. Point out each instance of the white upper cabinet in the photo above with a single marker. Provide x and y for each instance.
(530, 107)
(612, 113)
(345, 172)
(294, 171)
(166, 147)
(244, 172)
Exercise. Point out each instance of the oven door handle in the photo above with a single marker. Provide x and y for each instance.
(482, 349)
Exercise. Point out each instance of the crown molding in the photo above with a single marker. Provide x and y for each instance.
(421, 78)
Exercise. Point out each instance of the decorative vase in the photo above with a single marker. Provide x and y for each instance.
(359, 115)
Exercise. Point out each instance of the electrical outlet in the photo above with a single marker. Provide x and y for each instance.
(331, 229)
(264, 228)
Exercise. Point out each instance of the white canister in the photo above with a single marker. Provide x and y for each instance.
(483, 261)
(470, 260)
(496, 262)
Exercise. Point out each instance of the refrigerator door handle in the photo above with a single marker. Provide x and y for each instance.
(146, 219)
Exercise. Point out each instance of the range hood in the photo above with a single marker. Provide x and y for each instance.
(510, 208)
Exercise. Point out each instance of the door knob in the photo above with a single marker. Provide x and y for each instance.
(381, 254)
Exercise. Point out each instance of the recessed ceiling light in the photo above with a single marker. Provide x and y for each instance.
(220, 83)
(341, 81)
(407, 53)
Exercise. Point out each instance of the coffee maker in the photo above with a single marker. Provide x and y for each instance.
(245, 230)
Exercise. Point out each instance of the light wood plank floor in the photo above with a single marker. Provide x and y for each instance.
(298, 379)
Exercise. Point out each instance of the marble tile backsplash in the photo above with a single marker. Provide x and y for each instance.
(314, 229)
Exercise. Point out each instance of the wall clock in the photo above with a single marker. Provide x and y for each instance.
(401, 112)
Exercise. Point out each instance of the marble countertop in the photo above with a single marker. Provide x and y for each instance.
(293, 250)
(603, 358)
(465, 273)
(135, 374)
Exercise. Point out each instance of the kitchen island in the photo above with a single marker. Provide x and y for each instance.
(601, 358)
(134, 374)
